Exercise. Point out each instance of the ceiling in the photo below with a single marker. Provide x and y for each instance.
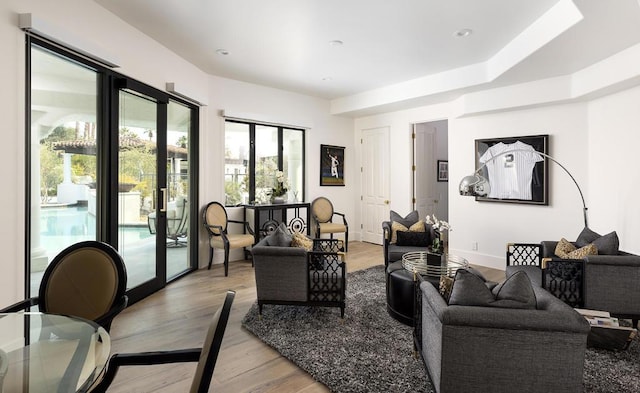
(289, 44)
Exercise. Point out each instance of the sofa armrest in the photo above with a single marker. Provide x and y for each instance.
(548, 248)
(386, 239)
(556, 316)
(614, 260)
(516, 319)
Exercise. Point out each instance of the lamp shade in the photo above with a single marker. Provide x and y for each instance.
(474, 185)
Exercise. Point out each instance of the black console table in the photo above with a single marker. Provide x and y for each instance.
(266, 218)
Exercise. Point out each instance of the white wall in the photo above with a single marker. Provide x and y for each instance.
(492, 225)
(614, 163)
(594, 140)
(262, 103)
(92, 28)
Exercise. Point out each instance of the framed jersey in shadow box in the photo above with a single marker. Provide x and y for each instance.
(515, 169)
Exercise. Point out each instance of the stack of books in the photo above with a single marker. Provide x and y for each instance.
(606, 331)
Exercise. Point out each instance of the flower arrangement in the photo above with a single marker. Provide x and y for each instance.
(441, 227)
(282, 185)
(438, 225)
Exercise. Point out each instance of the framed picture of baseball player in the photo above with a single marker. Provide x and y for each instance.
(516, 168)
(331, 165)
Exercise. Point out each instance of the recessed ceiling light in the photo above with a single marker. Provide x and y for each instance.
(222, 52)
(462, 33)
(336, 43)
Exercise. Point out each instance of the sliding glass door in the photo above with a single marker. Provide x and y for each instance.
(109, 160)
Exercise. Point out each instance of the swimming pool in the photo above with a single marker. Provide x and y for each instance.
(62, 226)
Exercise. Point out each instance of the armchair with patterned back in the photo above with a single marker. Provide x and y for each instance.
(590, 272)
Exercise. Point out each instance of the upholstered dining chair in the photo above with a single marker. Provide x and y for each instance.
(322, 213)
(87, 280)
(216, 220)
(205, 356)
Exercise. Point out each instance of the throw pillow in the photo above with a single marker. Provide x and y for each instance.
(589, 249)
(414, 239)
(407, 221)
(397, 227)
(281, 237)
(469, 290)
(587, 236)
(515, 292)
(608, 244)
(566, 250)
(300, 240)
(563, 248)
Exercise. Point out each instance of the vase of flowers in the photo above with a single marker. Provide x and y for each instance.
(280, 189)
(441, 241)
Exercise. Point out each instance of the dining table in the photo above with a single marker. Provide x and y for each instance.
(47, 353)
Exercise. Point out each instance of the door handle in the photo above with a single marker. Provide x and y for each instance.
(163, 202)
(386, 202)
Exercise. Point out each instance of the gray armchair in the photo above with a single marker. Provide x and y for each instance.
(393, 251)
(599, 282)
(490, 349)
(610, 282)
(292, 275)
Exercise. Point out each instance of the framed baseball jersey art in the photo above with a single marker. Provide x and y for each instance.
(516, 172)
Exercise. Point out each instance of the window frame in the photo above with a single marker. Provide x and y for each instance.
(252, 154)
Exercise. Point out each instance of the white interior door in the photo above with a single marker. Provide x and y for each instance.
(375, 182)
(424, 175)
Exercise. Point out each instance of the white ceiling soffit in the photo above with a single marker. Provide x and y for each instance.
(561, 17)
(396, 54)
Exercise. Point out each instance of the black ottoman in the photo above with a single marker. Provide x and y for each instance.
(401, 292)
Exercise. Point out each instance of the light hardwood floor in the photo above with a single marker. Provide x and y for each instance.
(177, 317)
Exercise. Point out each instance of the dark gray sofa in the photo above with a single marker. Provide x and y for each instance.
(490, 349)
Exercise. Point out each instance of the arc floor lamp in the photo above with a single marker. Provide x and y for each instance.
(478, 185)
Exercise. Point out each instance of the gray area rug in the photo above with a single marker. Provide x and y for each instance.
(369, 351)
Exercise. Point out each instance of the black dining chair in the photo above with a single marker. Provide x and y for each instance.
(205, 356)
(87, 280)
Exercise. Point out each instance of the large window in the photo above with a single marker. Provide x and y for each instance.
(253, 155)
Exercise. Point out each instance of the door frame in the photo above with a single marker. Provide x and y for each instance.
(107, 160)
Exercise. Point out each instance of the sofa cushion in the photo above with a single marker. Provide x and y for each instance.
(300, 240)
(564, 247)
(566, 250)
(606, 244)
(281, 237)
(415, 239)
(515, 292)
(398, 227)
(407, 221)
(470, 289)
(586, 236)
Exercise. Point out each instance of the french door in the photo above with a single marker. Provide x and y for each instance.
(109, 160)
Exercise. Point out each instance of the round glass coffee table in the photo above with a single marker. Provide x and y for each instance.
(433, 265)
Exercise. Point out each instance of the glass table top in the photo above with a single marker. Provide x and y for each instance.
(50, 353)
(432, 264)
